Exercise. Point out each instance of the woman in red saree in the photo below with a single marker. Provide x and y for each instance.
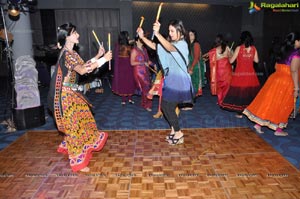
(220, 68)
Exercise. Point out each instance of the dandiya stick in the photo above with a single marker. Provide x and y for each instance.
(152, 69)
(142, 21)
(231, 46)
(157, 17)
(109, 48)
(141, 24)
(158, 11)
(96, 38)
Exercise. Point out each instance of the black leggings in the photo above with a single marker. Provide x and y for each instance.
(168, 109)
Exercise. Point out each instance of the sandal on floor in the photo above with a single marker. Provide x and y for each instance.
(170, 136)
(159, 114)
(258, 129)
(280, 133)
(239, 116)
(176, 141)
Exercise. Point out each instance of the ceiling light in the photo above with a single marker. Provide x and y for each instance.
(13, 10)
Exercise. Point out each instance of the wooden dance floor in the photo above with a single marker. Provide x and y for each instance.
(231, 163)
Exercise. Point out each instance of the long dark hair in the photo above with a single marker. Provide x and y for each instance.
(246, 39)
(196, 36)
(178, 25)
(189, 40)
(288, 45)
(63, 31)
(123, 38)
(219, 41)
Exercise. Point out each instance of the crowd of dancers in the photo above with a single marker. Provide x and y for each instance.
(177, 75)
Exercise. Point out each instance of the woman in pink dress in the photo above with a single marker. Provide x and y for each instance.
(140, 62)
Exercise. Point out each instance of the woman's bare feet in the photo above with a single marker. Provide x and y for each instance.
(280, 133)
(258, 129)
(159, 114)
(85, 169)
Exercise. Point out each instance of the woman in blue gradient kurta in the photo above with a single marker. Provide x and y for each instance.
(177, 88)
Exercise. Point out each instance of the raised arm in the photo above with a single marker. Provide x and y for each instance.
(147, 41)
(163, 41)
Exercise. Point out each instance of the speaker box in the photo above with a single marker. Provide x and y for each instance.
(29, 118)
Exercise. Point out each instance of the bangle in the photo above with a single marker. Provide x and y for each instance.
(93, 60)
(101, 61)
(296, 89)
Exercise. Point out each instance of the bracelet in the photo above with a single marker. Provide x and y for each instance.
(101, 61)
(296, 89)
(93, 60)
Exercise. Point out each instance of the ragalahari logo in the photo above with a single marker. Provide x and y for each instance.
(275, 7)
(253, 7)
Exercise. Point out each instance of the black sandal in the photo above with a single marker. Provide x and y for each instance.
(170, 136)
(176, 141)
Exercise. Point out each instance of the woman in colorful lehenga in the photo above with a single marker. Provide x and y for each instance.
(275, 101)
(70, 108)
(177, 87)
(244, 83)
(220, 68)
(139, 59)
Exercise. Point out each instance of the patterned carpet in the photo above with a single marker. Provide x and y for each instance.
(111, 115)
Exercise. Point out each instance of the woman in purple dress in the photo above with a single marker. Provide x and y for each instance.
(123, 81)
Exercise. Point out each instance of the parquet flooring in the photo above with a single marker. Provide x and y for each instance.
(230, 163)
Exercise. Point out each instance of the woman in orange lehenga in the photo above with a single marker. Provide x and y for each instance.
(70, 109)
(275, 102)
(221, 69)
